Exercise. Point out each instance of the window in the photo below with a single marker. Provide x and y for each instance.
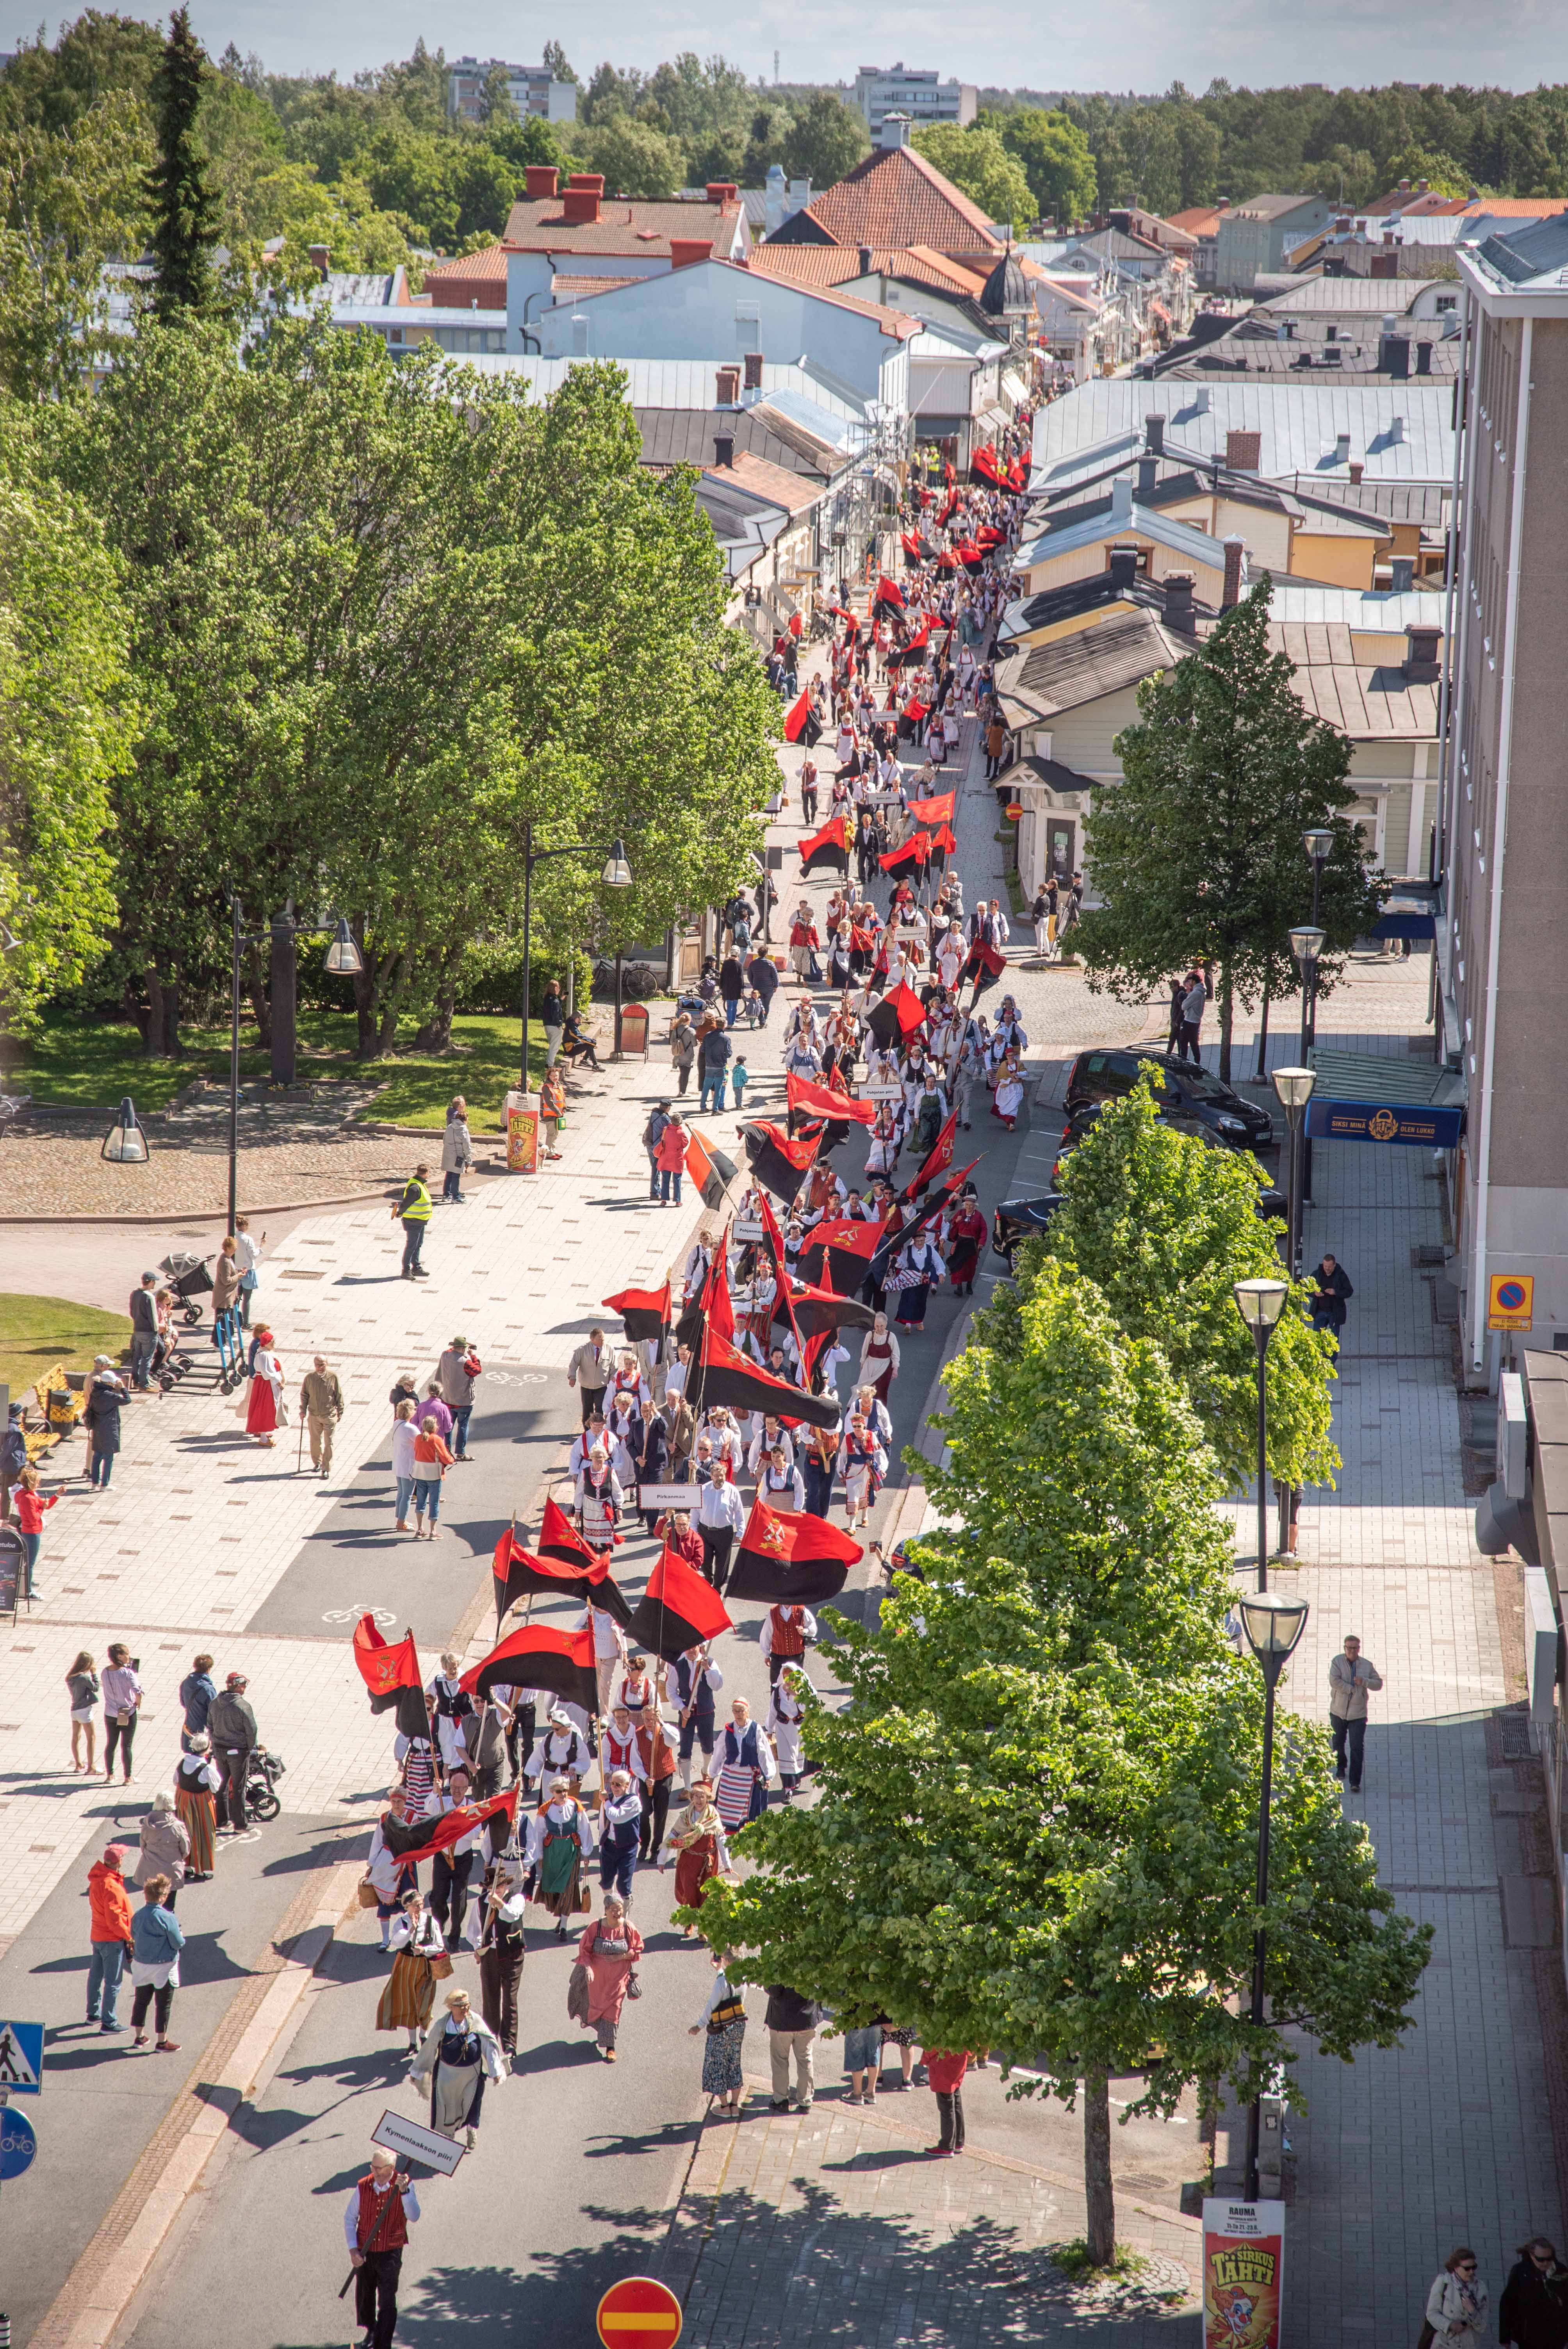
(1447, 303)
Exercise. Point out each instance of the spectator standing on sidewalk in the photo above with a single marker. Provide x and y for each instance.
(197, 1782)
(792, 2022)
(1331, 1293)
(413, 1211)
(165, 1846)
(653, 1135)
(458, 1373)
(247, 1256)
(669, 1158)
(712, 1061)
(109, 1907)
(321, 1405)
(682, 1049)
(1193, 1004)
(156, 1942)
(231, 1725)
(457, 1150)
(12, 1458)
(431, 1461)
(553, 1015)
(405, 1435)
(944, 2069)
(1533, 2311)
(31, 1505)
(197, 1690)
(1350, 1676)
(1456, 2302)
(107, 1397)
(143, 1330)
(121, 1705)
(732, 985)
(82, 1687)
(552, 1109)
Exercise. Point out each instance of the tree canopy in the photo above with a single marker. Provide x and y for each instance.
(977, 163)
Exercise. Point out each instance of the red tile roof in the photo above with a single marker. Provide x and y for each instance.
(633, 229)
(793, 491)
(1199, 220)
(895, 322)
(894, 200)
(469, 277)
(837, 265)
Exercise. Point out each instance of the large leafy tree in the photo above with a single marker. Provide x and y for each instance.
(179, 186)
(1037, 1814)
(71, 198)
(979, 165)
(1056, 156)
(1165, 1225)
(1197, 852)
(828, 139)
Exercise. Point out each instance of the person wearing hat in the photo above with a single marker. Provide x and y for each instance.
(375, 2222)
(197, 1779)
(502, 1946)
(966, 1238)
(107, 1397)
(457, 1373)
(457, 2055)
(111, 1936)
(143, 1330)
(413, 1212)
(231, 1726)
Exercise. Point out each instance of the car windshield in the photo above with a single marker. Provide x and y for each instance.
(1204, 1086)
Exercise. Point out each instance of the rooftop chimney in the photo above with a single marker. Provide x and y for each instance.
(581, 199)
(729, 387)
(539, 181)
(1120, 499)
(1423, 359)
(1154, 435)
(724, 448)
(1147, 468)
(1178, 612)
(1403, 570)
(752, 362)
(1395, 432)
(1235, 555)
(1394, 356)
(1357, 470)
(1421, 666)
(686, 250)
(321, 256)
(1123, 568)
(894, 130)
(1243, 452)
(1201, 400)
(865, 260)
(721, 192)
(1342, 449)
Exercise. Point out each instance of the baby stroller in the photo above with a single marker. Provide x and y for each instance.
(263, 1771)
(189, 1277)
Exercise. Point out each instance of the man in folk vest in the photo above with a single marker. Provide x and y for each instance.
(786, 1636)
(376, 2221)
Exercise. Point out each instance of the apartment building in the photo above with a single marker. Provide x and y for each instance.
(1502, 936)
(881, 91)
(534, 89)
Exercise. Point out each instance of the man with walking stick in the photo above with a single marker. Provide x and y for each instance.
(375, 2222)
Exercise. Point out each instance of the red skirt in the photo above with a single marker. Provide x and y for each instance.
(262, 1416)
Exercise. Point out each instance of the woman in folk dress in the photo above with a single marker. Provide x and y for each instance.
(724, 2031)
(701, 1850)
(197, 1779)
(263, 1409)
(410, 1990)
(785, 1715)
(863, 1464)
(609, 1949)
(1009, 1102)
(746, 1764)
(459, 2054)
(560, 1845)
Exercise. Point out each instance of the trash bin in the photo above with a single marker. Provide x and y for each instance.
(635, 1029)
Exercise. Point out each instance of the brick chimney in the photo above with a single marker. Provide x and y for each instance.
(581, 199)
(686, 250)
(1420, 664)
(729, 387)
(724, 449)
(1179, 611)
(1154, 436)
(1123, 568)
(539, 181)
(1243, 452)
(320, 258)
(752, 362)
(1357, 469)
(1235, 552)
(721, 192)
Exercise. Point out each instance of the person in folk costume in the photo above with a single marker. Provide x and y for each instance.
(419, 1953)
(560, 1845)
(619, 1749)
(457, 2055)
(562, 1755)
(785, 1715)
(782, 1484)
(818, 1468)
(929, 1117)
(824, 1196)
(501, 1948)
(197, 1779)
(701, 1850)
(1009, 1035)
(390, 1876)
(599, 1497)
(863, 1464)
(606, 1969)
(653, 1464)
(451, 1869)
(879, 1354)
(698, 1679)
(620, 1831)
(658, 1758)
(264, 1407)
(786, 1633)
(771, 1433)
(638, 1694)
(629, 1379)
(624, 1439)
(376, 2221)
(1010, 1102)
(966, 1238)
(884, 1140)
(723, 2026)
(449, 1702)
(970, 1072)
(745, 1766)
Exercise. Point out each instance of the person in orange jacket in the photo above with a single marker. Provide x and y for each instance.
(110, 1907)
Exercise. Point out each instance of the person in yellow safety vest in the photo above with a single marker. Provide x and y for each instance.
(413, 1209)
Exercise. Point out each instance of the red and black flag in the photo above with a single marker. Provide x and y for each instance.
(816, 1310)
(984, 462)
(825, 1101)
(972, 557)
(1018, 475)
(912, 856)
(710, 1169)
(898, 1015)
(828, 847)
(439, 1833)
(910, 545)
(989, 536)
(947, 560)
(778, 1162)
(773, 1241)
(838, 1255)
(802, 723)
(786, 1561)
(950, 507)
(679, 1609)
(888, 591)
(937, 1160)
(984, 966)
(644, 1312)
(948, 475)
(392, 1675)
(537, 1657)
(937, 811)
(937, 1204)
(712, 1307)
(730, 1377)
(518, 1573)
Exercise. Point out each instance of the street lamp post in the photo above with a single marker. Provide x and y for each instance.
(125, 1144)
(1260, 1304)
(617, 874)
(1294, 1088)
(1273, 1624)
(1319, 847)
(342, 958)
(1307, 945)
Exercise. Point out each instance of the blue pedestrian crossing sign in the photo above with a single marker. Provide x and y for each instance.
(22, 2060)
(18, 2143)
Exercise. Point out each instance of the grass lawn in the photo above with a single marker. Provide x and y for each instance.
(81, 1062)
(36, 1332)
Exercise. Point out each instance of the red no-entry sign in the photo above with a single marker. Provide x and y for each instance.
(639, 2312)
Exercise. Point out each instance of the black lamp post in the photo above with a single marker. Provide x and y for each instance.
(342, 958)
(1294, 1088)
(1273, 1624)
(124, 1144)
(1307, 945)
(1319, 846)
(1260, 1304)
(617, 874)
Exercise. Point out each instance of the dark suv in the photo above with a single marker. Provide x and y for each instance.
(1182, 1089)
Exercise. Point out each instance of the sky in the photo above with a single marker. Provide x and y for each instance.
(1141, 44)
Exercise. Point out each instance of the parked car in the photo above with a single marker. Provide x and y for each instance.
(1180, 1086)
(1021, 1219)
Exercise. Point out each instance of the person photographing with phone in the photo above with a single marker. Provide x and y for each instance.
(375, 2222)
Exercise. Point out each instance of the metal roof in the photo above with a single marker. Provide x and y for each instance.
(1389, 614)
(1119, 517)
(687, 383)
(1099, 424)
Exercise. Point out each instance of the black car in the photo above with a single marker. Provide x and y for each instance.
(1180, 1086)
(1021, 1219)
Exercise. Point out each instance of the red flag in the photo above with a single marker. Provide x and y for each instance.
(454, 1825)
(985, 965)
(644, 1312)
(802, 721)
(915, 850)
(717, 1305)
(828, 847)
(727, 1376)
(518, 1571)
(898, 1014)
(385, 1670)
(824, 1101)
(779, 1161)
(679, 1609)
(943, 843)
(839, 1253)
(947, 560)
(535, 1656)
(559, 1538)
(915, 710)
(937, 1159)
(911, 544)
(934, 811)
(785, 1560)
(888, 591)
(709, 1167)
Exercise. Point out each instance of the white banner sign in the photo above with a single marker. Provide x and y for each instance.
(412, 2141)
(666, 1496)
(879, 1092)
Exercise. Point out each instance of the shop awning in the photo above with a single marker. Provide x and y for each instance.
(1364, 1097)
(1407, 913)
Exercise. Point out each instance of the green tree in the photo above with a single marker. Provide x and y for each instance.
(496, 103)
(1036, 1822)
(1055, 155)
(635, 159)
(1416, 163)
(1164, 1227)
(71, 198)
(828, 140)
(1197, 852)
(980, 167)
(68, 723)
(555, 62)
(184, 208)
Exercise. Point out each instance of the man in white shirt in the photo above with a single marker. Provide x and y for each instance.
(562, 1749)
(450, 1870)
(677, 1374)
(720, 1518)
(375, 2236)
